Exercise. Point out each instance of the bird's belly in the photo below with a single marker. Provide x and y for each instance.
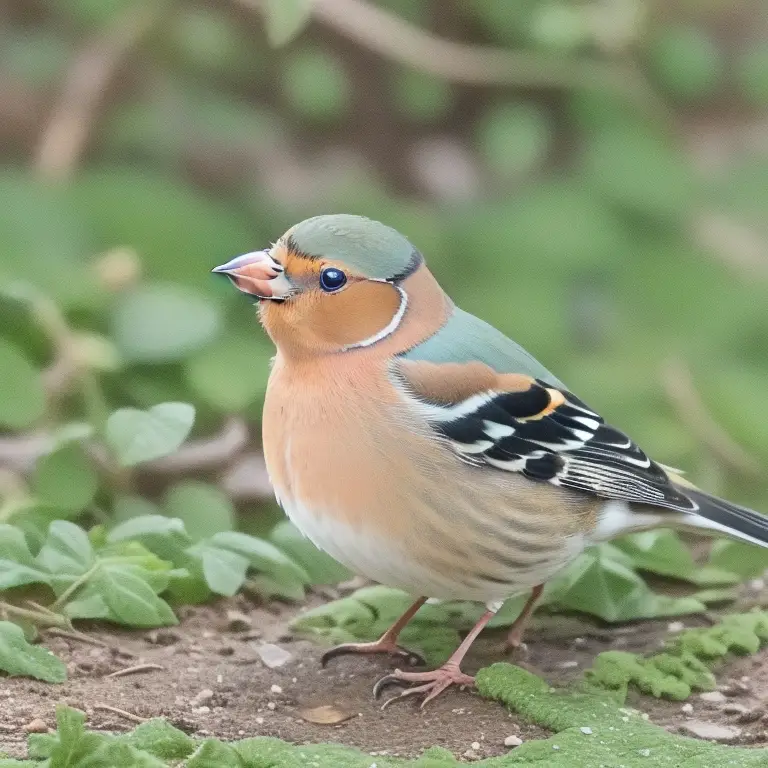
(420, 565)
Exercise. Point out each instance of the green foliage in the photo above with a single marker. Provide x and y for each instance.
(316, 85)
(22, 400)
(686, 62)
(163, 322)
(18, 657)
(514, 138)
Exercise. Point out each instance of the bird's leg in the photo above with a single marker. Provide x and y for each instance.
(387, 643)
(515, 635)
(433, 683)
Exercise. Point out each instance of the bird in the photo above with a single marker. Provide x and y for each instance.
(425, 450)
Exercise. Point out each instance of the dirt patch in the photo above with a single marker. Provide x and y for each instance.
(211, 682)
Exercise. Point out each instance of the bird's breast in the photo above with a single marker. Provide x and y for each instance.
(369, 483)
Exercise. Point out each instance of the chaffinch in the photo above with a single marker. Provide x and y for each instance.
(425, 450)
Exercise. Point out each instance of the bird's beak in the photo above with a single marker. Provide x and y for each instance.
(257, 274)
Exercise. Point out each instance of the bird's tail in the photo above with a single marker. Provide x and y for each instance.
(724, 517)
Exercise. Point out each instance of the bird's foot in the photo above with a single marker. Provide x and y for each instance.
(379, 646)
(429, 684)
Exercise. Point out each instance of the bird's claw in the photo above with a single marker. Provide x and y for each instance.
(432, 684)
(410, 658)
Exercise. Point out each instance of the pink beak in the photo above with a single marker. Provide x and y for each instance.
(257, 274)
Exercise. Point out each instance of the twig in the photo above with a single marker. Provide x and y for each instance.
(134, 670)
(66, 134)
(79, 636)
(204, 454)
(123, 713)
(393, 37)
(681, 391)
(735, 244)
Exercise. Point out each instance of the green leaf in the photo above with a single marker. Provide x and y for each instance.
(285, 19)
(262, 555)
(659, 551)
(599, 584)
(66, 478)
(203, 508)
(746, 560)
(67, 550)
(640, 171)
(231, 374)
(76, 747)
(752, 71)
(163, 322)
(22, 399)
(421, 96)
(165, 536)
(18, 657)
(136, 436)
(127, 508)
(130, 599)
(686, 61)
(316, 84)
(43, 240)
(322, 568)
(161, 739)
(514, 138)
(223, 569)
(17, 566)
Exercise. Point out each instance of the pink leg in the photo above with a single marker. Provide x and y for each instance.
(435, 682)
(387, 643)
(515, 635)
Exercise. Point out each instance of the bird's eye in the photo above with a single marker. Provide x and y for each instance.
(331, 279)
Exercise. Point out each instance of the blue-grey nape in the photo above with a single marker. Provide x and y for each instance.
(466, 338)
(369, 247)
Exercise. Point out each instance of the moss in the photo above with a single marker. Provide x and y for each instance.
(683, 667)
(740, 633)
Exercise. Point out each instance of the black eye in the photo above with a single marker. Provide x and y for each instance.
(331, 279)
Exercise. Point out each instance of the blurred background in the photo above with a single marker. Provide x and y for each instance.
(590, 177)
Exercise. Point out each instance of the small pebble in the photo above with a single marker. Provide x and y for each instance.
(713, 697)
(475, 745)
(273, 656)
(586, 730)
(568, 664)
(675, 626)
(513, 741)
(259, 720)
(202, 697)
(713, 731)
(687, 708)
(202, 710)
(36, 726)
(736, 688)
(271, 705)
(276, 689)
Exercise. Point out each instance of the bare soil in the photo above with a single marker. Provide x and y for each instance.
(210, 681)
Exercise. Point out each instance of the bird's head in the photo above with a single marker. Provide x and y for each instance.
(329, 284)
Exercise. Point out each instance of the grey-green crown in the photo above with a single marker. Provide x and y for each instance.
(369, 247)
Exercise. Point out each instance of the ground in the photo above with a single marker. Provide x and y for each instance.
(208, 679)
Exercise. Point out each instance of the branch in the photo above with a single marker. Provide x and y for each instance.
(681, 391)
(394, 38)
(736, 245)
(66, 134)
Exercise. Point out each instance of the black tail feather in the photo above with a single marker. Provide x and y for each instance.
(743, 523)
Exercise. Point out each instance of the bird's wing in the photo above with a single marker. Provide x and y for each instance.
(520, 423)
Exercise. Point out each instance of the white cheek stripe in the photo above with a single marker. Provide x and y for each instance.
(390, 327)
